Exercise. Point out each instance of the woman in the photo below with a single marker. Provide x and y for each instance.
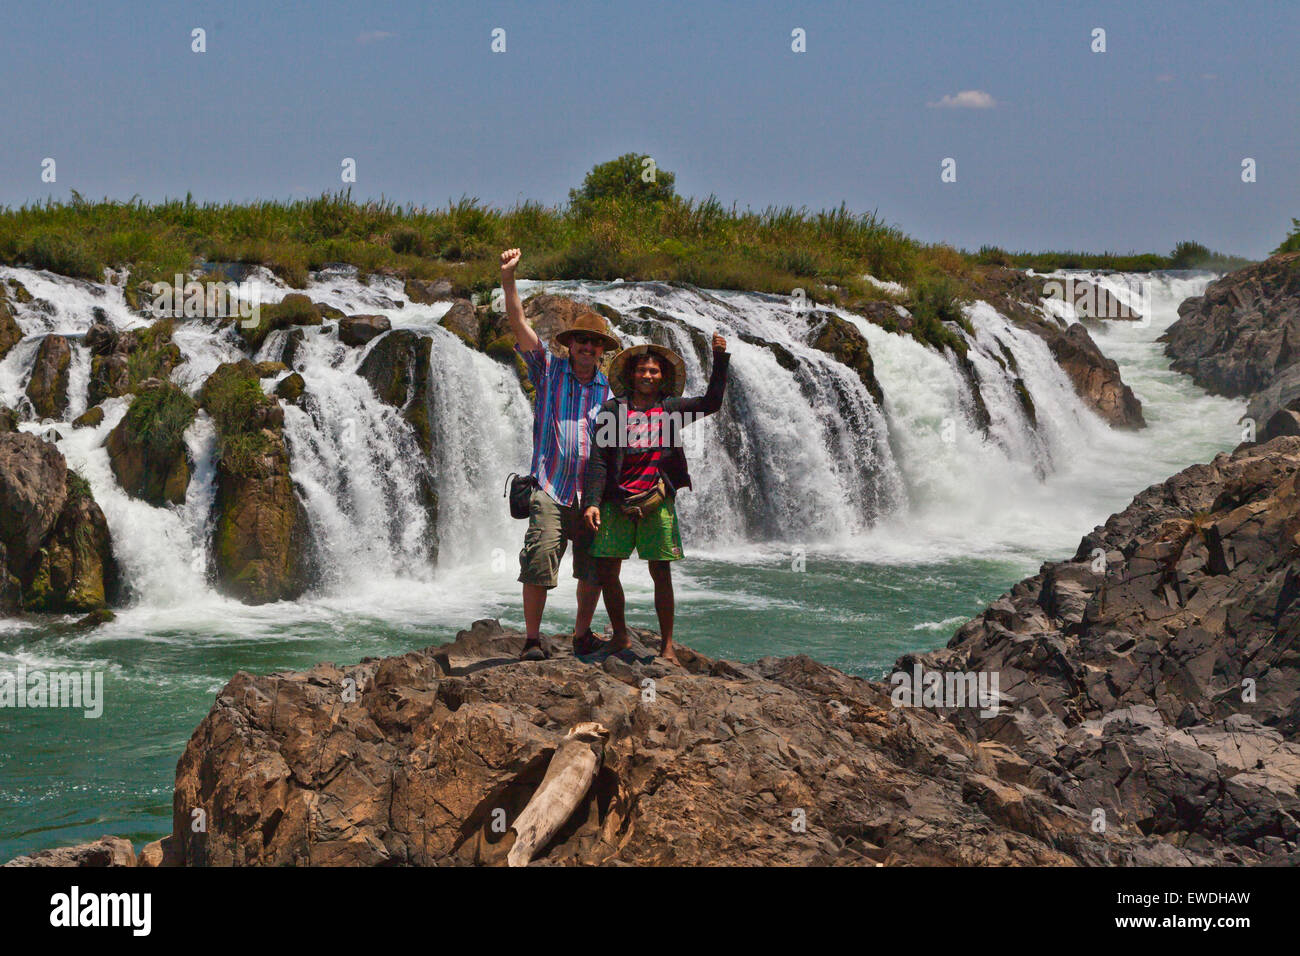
(636, 468)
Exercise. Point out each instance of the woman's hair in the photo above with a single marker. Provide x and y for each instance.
(664, 368)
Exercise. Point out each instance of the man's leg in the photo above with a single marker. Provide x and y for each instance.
(539, 564)
(609, 569)
(661, 572)
(584, 569)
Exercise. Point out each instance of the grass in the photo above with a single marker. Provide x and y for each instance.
(233, 396)
(158, 418)
(1185, 255)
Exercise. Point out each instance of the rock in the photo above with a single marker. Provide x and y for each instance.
(290, 388)
(836, 337)
(33, 489)
(360, 329)
(1095, 377)
(463, 320)
(8, 419)
(270, 369)
(397, 368)
(106, 851)
(428, 291)
(159, 853)
(260, 542)
(122, 362)
(1141, 688)
(295, 309)
(75, 571)
(146, 449)
(90, 418)
(10, 333)
(48, 386)
(1239, 336)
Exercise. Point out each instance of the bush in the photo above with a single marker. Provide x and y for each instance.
(624, 177)
(233, 399)
(1292, 242)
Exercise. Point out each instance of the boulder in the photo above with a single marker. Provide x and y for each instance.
(33, 489)
(1095, 377)
(463, 320)
(260, 541)
(397, 368)
(106, 851)
(837, 338)
(290, 388)
(146, 449)
(8, 419)
(48, 386)
(74, 572)
(360, 329)
(269, 369)
(121, 362)
(428, 291)
(10, 333)
(1243, 333)
(90, 418)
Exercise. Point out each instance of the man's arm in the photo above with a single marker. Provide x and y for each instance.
(711, 400)
(525, 337)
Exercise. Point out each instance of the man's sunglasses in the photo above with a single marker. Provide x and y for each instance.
(582, 338)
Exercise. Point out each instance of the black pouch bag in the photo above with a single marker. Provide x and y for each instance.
(519, 489)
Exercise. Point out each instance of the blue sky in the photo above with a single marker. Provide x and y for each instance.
(1134, 148)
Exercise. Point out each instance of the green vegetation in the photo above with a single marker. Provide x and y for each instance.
(233, 396)
(936, 303)
(78, 487)
(1185, 255)
(158, 418)
(1292, 242)
(153, 353)
(615, 225)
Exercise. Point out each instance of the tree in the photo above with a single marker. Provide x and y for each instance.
(632, 175)
(1292, 242)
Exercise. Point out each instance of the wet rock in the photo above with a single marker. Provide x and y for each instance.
(90, 418)
(48, 386)
(10, 333)
(360, 329)
(33, 489)
(290, 388)
(146, 449)
(428, 291)
(1095, 377)
(75, 571)
(397, 368)
(836, 337)
(463, 320)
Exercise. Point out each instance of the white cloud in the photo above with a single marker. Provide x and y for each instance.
(966, 100)
(374, 36)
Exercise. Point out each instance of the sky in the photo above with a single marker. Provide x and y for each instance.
(1055, 146)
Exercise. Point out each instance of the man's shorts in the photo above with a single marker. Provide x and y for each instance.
(656, 536)
(551, 526)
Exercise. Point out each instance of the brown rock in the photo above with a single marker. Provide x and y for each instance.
(74, 572)
(1095, 377)
(463, 320)
(33, 489)
(360, 329)
(48, 386)
(90, 418)
(428, 291)
(106, 851)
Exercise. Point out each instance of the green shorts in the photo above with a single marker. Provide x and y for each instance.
(656, 536)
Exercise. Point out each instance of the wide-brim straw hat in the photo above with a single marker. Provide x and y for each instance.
(592, 324)
(620, 381)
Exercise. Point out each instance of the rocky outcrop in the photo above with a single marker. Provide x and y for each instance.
(106, 851)
(463, 320)
(1239, 336)
(10, 333)
(1153, 678)
(120, 362)
(360, 329)
(55, 548)
(1095, 377)
(260, 542)
(74, 572)
(841, 340)
(397, 368)
(47, 389)
(295, 309)
(146, 449)
(428, 291)
(426, 758)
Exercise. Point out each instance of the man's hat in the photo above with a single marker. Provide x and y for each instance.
(591, 323)
(620, 370)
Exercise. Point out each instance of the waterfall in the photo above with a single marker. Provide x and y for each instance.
(801, 454)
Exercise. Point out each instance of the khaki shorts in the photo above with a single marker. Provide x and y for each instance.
(551, 526)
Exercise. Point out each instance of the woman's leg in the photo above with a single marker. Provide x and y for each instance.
(661, 572)
(608, 569)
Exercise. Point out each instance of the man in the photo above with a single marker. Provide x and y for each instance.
(569, 391)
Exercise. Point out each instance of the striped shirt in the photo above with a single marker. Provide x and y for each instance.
(645, 446)
(562, 415)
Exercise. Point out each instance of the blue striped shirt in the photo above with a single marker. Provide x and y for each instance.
(562, 415)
